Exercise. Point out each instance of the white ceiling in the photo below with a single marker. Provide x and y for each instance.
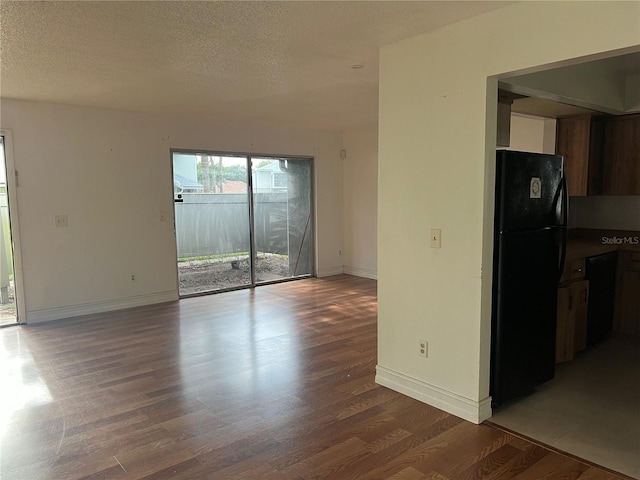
(281, 62)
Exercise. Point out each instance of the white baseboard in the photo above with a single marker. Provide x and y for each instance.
(475, 412)
(329, 271)
(361, 272)
(56, 313)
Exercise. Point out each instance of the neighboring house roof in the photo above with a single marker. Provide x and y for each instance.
(234, 186)
(272, 167)
(185, 182)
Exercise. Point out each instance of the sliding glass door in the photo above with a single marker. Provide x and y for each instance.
(282, 218)
(236, 230)
(8, 290)
(212, 222)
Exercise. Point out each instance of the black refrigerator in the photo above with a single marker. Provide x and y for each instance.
(530, 233)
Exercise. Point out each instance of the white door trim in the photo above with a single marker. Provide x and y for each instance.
(12, 187)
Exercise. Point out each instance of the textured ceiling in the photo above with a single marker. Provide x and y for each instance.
(281, 62)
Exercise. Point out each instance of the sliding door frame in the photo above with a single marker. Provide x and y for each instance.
(12, 196)
(252, 241)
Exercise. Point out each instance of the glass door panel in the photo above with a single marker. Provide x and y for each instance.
(8, 315)
(212, 222)
(282, 218)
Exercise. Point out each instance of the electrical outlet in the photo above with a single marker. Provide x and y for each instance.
(133, 278)
(423, 348)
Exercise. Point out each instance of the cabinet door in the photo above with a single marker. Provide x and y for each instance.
(580, 307)
(574, 269)
(629, 303)
(573, 142)
(596, 156)
(564, 326)
(621, 171)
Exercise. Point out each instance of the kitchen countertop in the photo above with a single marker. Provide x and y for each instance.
(588, 243)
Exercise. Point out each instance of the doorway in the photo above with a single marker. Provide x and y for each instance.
(9, 311)
(588, 409)
(241, 220)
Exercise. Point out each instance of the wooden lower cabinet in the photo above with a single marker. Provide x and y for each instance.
(564, 326)
(571, 320)
(581, 310)
(627, 318)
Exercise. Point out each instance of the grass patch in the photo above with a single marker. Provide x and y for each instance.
(213, 257)
(223, 256)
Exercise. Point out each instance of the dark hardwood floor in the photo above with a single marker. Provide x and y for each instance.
(275, 383)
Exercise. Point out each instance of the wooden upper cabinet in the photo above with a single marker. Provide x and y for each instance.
(621, 168)
(579, 140)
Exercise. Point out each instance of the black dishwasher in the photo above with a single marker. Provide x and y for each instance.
(601, 273)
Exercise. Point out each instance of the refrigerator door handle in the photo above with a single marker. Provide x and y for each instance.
(565, 202)
(565, 226)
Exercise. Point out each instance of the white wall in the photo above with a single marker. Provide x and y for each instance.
(109, 171)
(632, 89)
(438, 96)
(532, 134)
(589, 85)
(605, 212)
(360, 178)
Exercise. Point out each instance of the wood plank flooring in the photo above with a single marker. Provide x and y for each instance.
(271, 384)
